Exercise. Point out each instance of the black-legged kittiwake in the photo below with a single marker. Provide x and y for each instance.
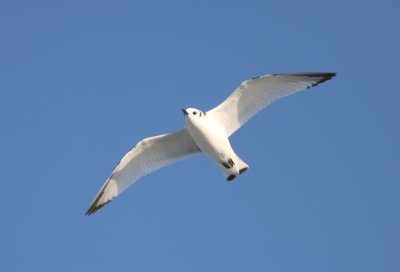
(205, 132)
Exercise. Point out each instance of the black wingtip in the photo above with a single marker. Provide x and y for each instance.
(95, 204)
(94, 208)
(326, 75)
(320, 76)
(323, 77)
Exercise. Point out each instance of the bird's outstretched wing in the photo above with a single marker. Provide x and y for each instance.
(254, 94)
(147, 156)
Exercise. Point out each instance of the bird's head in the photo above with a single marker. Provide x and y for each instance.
(193, 113)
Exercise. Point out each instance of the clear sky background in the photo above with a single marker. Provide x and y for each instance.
(84, 81)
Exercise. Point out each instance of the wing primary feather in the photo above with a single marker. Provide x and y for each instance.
(95, 204)
(325, 76)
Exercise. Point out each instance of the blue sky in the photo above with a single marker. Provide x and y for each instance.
(83, 81)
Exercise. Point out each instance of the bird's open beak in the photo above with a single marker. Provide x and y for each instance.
(185, 112)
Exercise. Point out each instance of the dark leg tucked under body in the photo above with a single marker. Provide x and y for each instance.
(230, 163)
(232, 167)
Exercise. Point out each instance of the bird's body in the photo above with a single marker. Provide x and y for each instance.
(213, 141)
(205, 132)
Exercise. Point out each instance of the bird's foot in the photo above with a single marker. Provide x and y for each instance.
(231, 177)
(244, 169)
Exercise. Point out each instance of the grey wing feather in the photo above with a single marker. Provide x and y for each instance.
(254, 94)
(147, 156)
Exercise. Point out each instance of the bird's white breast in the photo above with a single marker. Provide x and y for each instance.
(210, 137)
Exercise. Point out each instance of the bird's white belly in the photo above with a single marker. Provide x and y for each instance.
(211, 140)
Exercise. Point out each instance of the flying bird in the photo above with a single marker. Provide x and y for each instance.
(205, 132)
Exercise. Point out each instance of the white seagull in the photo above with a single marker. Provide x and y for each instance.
(205, 132)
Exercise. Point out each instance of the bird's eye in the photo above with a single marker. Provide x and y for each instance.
(194, 113)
